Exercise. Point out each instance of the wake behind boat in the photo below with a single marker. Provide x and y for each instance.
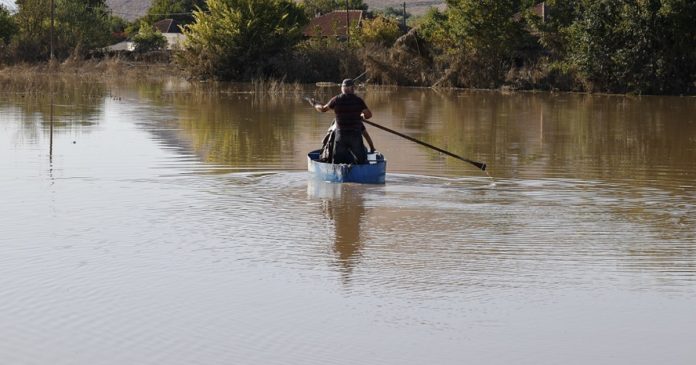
(372, 172)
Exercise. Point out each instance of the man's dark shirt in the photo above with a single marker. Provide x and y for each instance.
(348, 108)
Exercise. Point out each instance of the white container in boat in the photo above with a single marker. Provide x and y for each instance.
(372, 158)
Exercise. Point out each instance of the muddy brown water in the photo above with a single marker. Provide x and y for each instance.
(169, 223)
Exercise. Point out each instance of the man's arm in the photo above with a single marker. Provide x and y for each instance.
(366, 113)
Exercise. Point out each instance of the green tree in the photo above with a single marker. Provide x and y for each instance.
(237, 39)
(677, 62)
(179, 10)
(32, 42)
(434, 28)
(485, 28)
(149, 39)
(314, 7)
(82, 26)
(478, 39)
(379, 30)
(79, 27)
(395, 13)
(550, 30)
(7, 26)
(627, 46)
(117, 26)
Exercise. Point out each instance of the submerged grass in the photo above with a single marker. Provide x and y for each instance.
(34, 78)
(105, 70)
(89, 81)
(276, 87)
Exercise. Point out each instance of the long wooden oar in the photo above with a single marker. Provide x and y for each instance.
(480, 165)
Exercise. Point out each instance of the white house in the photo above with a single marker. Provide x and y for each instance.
(169, 29)
(122, 46)
(171, 32)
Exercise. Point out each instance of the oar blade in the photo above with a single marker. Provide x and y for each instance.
(327, 84)
(480, 165)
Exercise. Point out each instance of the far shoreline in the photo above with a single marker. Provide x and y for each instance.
(118, 68)
(104, 68)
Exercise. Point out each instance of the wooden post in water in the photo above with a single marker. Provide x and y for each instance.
(50, 133)
(50, 70)
(53, 12)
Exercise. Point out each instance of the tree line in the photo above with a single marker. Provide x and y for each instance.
(625, 46)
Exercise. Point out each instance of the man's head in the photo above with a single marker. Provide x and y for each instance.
(347, 86)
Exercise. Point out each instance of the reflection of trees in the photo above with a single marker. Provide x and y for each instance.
(549, 134)
(237, 128)
(629, 137)
(644, 144)
(76, 103)
(227, 123)
(238, 124)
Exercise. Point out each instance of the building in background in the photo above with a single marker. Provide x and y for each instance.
(334, 24)
(171, 31)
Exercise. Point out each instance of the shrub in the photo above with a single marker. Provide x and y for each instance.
(380, 30)
(149, 39)
(7, 26)
(237, 39)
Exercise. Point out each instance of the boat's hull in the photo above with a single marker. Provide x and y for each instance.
(371, 173)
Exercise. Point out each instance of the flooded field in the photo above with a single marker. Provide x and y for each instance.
(169, 223)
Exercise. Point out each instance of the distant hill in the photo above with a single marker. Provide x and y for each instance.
(415, 7)
(129, 9)
(133, 9)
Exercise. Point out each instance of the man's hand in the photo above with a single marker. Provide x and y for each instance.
(320, 107)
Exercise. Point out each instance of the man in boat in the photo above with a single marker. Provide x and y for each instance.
(350, 110)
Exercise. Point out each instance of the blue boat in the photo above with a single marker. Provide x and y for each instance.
(369, 173)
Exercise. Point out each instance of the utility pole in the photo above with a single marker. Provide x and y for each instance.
(53, 13)
(404, 18)
(347, 23)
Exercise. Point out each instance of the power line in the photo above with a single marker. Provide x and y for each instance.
(140, 14)
(161, 14)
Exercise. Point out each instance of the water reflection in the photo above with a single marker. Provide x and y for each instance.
(527, 135)
(49, 105)
(50, 133)
(343, 207)
(237, 129)
(592, 212)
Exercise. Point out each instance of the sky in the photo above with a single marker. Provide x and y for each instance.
(9, 4)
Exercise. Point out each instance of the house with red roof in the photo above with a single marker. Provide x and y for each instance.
(334, 24)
